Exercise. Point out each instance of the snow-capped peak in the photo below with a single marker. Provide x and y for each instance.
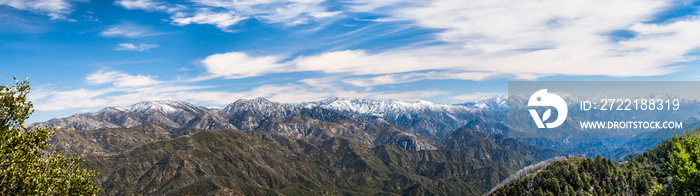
(497, 103)
(258, 105)
(379, 107)
(165, 106)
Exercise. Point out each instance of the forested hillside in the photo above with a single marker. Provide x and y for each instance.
(671, 168)
(233, 162)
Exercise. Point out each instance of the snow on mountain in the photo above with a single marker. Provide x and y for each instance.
(254, 114)
(171, 113)
(497, 103)
(382, 107)
(421, 117)
(164, 106)
(260, 106)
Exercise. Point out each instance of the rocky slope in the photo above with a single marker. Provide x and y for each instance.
(232, 162)
(285, 150)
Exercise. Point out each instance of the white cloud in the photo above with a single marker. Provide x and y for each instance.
(520, 39)
(478, 96)
(293, 93)
(239, 65)
(413, 77)
(531, 39)
(289, 12)
(120, 79)
(61, 100)
(128, 30)
(325, 82)
(224, 14)
(141, 4)
(56, 100)
(136, 47)
(124, 89)
(56, 9)
(221, 20)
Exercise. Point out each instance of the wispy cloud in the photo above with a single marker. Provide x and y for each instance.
(523, 40)
(413, 77)
(56, 9)
(117, 88)
(120, 79)
(136, 47)
(469, 41)
(142, 4)
(224, 14)
(531, 39)
(129, 30)
(288, 12)
(222, 20)
(240, 65)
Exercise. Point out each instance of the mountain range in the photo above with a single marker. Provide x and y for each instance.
(233, 162)
(410, 125)
(157, 159)
(262, 147)
(422, 118)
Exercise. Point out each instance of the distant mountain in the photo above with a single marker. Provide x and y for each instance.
(413, 126)
(254, 114)
(422, 117)
(155, 159)
(464, 139)
(334, 146)
(496, 103)
(171, 113)
(162, 147)
(109, 141)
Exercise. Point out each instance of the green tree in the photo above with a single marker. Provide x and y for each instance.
(685, 166)
(26, 166)
(658, 190)
(539, 192)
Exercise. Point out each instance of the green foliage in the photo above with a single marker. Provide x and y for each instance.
(26, 167)
(671, 168)
(644, 174)
(686, 165)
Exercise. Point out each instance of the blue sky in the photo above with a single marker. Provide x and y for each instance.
(84, 55)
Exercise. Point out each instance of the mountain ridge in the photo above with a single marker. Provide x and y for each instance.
(188, 161)
(421, 118)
